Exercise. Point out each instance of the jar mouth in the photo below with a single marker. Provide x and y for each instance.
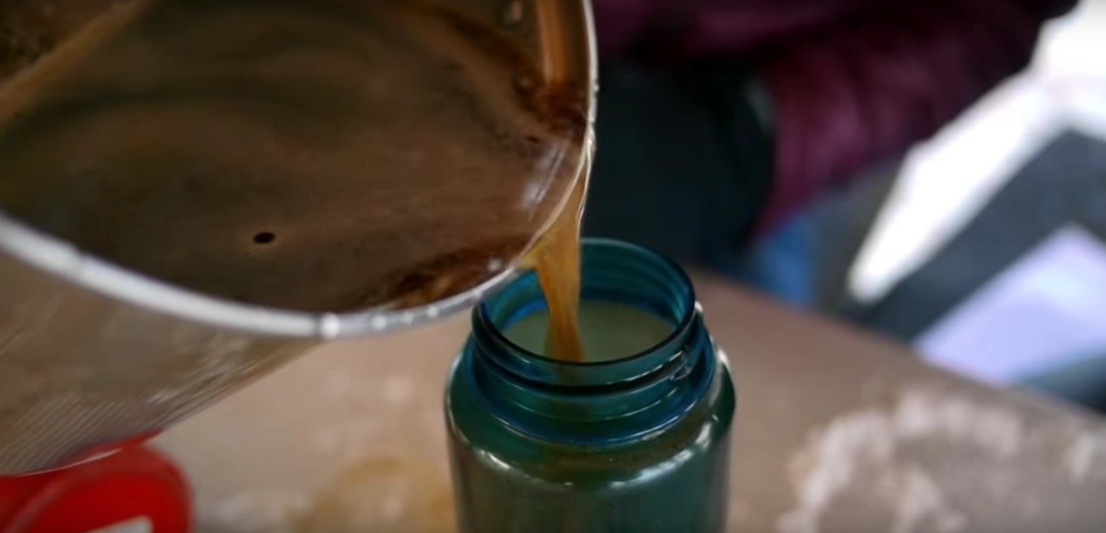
(611, 271)
(600, 402)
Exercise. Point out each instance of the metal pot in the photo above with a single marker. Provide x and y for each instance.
(144, 278)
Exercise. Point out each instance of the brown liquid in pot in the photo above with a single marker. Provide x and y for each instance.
(314, 155)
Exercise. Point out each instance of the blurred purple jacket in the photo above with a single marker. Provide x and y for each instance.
(853, 82)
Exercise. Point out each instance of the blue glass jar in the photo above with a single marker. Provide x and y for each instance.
(633, 444)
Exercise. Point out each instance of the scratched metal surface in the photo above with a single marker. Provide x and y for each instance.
(836, 432)
(78, 368)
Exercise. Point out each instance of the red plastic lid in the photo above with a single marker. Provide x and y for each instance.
(132, 491)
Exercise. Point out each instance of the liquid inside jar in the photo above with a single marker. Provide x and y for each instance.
(608, 330)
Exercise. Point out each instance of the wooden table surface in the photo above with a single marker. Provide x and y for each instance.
(837, 431)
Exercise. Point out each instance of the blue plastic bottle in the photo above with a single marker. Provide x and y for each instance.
(635, 444)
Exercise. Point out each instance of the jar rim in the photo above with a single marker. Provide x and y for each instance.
(609, 401)
(682, 320)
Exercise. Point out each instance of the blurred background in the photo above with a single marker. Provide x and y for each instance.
(929, 178)
(933, 171)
